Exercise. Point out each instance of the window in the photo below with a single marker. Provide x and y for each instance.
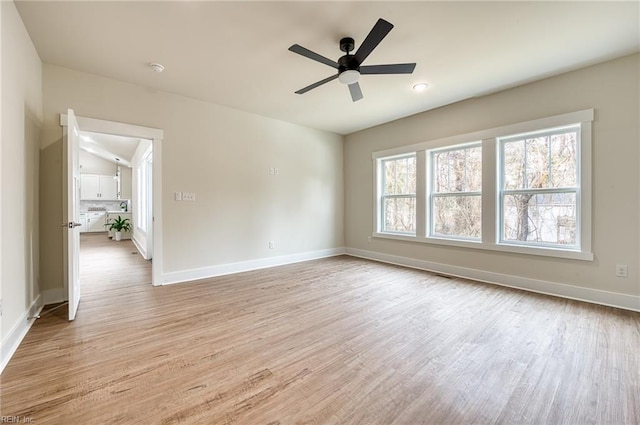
(456, 186)
(143, 191)
(522, 188)
(398, 194)
(539, 188)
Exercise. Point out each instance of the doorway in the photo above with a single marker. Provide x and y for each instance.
(115, 210)
(149, 155)
(110, 269)
(116, 188)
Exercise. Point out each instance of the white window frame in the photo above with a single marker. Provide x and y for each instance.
(490, 189)
(381, 196)
(144, 194)
(502, 192)
(432, 191)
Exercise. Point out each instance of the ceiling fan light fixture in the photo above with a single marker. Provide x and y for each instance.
(350, 66)
(420, 87)
(348, 77)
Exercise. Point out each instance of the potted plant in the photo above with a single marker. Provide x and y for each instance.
(120, 225)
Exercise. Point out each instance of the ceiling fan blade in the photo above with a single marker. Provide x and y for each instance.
(375, 36)
(296, 48)
(397, 68)
(317, 84)
(356, 93)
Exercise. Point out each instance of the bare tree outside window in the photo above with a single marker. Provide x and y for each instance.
(540, 187)
(399, 194)
(456, 200)
(523, 187)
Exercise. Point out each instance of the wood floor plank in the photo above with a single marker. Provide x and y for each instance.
(333, 341)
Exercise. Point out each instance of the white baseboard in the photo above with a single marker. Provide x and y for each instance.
(12, 340)
(595, 296)
(54, 296)
(140, 247)
(244, 266)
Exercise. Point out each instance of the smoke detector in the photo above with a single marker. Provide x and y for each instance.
(156, 67)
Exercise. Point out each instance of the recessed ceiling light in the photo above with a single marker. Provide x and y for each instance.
(420, 87)
(156, 67)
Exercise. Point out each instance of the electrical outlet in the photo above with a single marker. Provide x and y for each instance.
(188, 196)
(272, 245)
(622, 270)
(177, 196)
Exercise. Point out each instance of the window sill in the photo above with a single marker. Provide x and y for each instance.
(515, 249)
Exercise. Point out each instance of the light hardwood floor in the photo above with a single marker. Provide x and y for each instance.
(332, 341)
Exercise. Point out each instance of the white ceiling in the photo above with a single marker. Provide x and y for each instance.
(110, 147)
(235, 53)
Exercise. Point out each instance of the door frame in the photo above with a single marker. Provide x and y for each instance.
(156, 136)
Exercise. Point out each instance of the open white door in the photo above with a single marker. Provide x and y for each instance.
(72, 146)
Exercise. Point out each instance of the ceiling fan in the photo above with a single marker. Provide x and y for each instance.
(350, 66)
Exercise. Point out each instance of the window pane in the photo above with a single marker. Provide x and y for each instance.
(541, 162)
(400, 215)
(514, 165)
(400, 176)
(564, 159)
(545, 218)
(441, 170)
(474, 170)
(459, 216)
(458, 170)
(537, 157)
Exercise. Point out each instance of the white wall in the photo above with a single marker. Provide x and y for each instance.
(224, 156)
(93, 164)
(21, 121)
(612, 89)
(126, 182)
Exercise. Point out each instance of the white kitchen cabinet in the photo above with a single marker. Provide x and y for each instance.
(93, 221)
(89, 186)
(108, 187)
(83, 222)
(96, 221)
(97, 187)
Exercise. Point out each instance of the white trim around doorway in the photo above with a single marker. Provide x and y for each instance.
(156, 135)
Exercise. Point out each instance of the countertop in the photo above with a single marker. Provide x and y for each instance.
(106, 212)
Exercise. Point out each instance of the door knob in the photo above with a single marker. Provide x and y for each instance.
(71, 225)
